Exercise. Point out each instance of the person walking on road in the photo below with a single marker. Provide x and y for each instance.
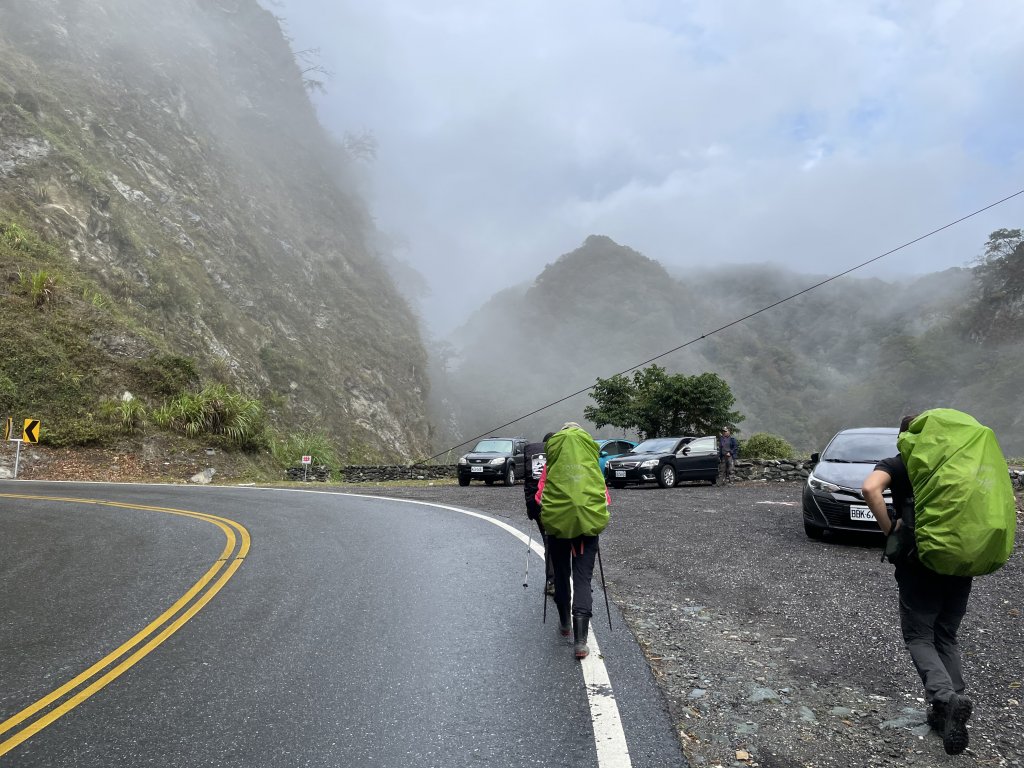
(535, 460)
(574, 511)
(728, 452)
(932, 605)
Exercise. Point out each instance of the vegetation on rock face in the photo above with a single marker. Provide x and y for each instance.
(172, 218)
(762, 445)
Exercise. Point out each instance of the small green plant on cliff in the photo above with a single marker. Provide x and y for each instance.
(762, 445)
(215, 411)
(40, 286)
(94, 298)
(129, 414)
(17, 239)
(15, 236)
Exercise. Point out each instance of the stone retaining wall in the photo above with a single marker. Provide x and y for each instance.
(371, 474)
(773, 470)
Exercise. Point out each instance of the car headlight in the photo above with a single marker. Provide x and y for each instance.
(463, 460)
(498, 460)
(820, 485)
(649, 464)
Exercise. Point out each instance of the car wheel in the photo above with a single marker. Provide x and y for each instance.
(667, 476)
(463, 481)
(510, 474)
(618, 485)
(814, 532)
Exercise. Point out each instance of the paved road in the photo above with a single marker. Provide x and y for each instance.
(354, 632)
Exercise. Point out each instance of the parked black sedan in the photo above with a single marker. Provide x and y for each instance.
(832, 500)
(666, 461)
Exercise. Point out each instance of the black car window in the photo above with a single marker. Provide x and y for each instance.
(861, 447)
(703, 445)
(493, 446)
(657, 445)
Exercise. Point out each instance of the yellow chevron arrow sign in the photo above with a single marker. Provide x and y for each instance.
(31, 431)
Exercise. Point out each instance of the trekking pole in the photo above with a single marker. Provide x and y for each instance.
(604, 587)
(544, 592)
(526, 578)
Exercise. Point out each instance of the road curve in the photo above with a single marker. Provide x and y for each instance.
(356, 631)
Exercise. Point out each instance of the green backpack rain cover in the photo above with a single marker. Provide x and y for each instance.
(965, 516)
(573, 503)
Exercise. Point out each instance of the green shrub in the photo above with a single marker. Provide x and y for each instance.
(216, 411)
(128, 414)
(762, 445)
(289, 450)
(40, 286)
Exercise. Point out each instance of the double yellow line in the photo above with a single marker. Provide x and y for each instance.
(25, 723)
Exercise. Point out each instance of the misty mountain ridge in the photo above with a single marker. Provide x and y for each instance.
(168, 158)
(853, 352)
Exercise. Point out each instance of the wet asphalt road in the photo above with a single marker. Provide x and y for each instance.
(355, 632)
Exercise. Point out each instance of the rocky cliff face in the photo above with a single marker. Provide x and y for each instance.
(169, 152)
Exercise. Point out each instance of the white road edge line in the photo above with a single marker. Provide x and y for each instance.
(609, 738)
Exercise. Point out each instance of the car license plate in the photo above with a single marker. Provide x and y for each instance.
(620, 473)
(476, 469)
(861, 513)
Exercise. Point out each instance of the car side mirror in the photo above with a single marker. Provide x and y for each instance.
(815, 458)
(686, 450)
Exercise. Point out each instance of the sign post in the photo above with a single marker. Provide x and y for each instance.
(306, 461)
(29, 434)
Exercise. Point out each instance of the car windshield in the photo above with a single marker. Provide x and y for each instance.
(861, 447)
(493, 446)
(658, 445)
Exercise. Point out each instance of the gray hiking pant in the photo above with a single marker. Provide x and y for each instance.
(932, 606)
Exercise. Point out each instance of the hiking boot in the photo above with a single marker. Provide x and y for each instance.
(954, 730)
(580, 630)
(936, 716)
(564, 626)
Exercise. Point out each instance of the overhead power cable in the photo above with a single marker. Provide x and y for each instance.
(728, 325)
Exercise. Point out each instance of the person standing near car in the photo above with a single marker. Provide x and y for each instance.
(574, 511)
(535, 460)
(728, 452)
(932, 606)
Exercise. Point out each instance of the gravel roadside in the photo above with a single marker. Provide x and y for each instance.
(776, 650)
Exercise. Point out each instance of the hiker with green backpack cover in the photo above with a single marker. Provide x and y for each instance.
(574, 511)
(955, 519)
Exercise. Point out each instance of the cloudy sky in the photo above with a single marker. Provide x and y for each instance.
(814, 135)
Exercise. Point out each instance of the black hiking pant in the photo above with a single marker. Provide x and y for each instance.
(932, 605)
(574, 557)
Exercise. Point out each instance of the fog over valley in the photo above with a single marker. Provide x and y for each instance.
(700, 134)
